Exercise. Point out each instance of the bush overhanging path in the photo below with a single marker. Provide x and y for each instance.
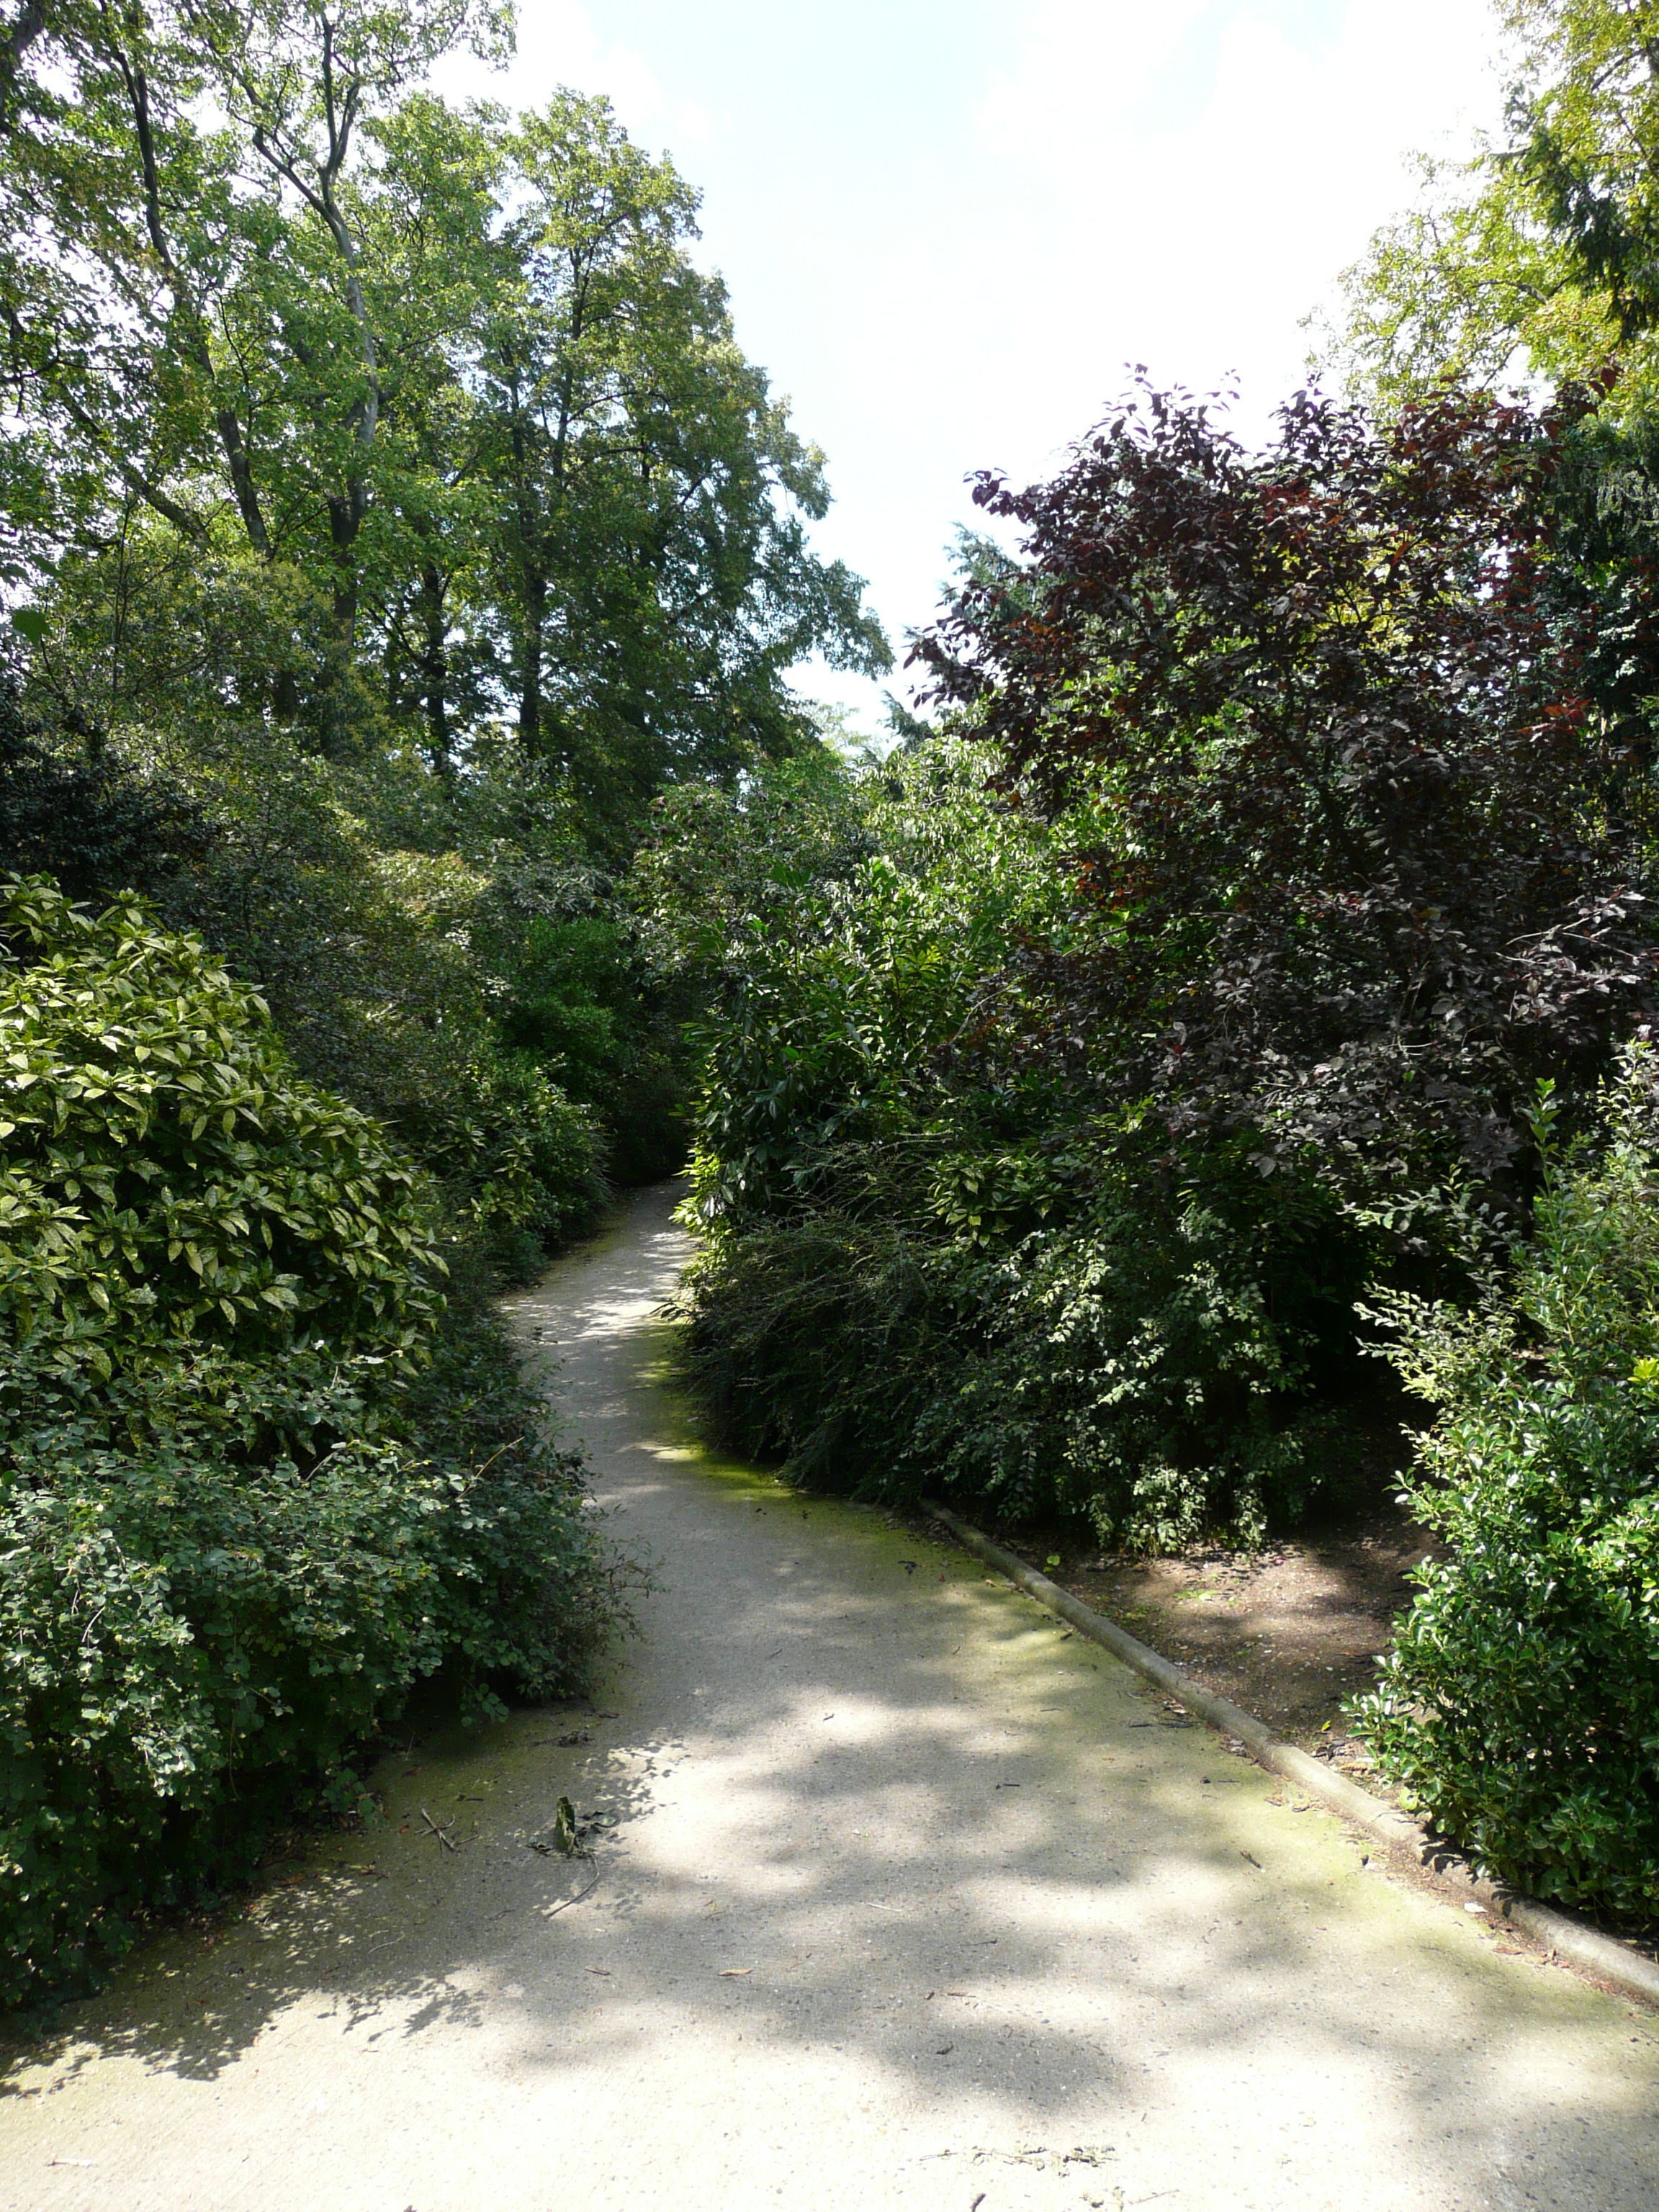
(258, 1478)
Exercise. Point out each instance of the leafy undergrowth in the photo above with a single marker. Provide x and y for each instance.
(1519, 1705)
(257, 1476)
(929, 1271)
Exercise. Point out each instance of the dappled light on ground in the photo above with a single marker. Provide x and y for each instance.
(898, 1894)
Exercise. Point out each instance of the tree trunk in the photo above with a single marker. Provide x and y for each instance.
(530, 664)
(434, 669)
(344, 520)
(334, 729)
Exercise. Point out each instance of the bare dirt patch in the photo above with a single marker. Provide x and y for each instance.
(1288, 1633)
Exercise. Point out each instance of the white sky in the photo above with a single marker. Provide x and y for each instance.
(947, 225)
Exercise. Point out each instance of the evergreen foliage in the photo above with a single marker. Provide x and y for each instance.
(1517, 1703)
(254, 1483)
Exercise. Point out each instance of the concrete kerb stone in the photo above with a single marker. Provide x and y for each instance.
(1609, 1960)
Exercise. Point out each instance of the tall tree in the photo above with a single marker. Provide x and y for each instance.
(1539, 254)
(654, 579)
(1364, 722)
(301, 82)
(448, 403)
(187, 301)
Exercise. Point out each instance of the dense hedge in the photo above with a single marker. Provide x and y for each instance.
(931, 1262)
(1520, 1702)
(254, 1480)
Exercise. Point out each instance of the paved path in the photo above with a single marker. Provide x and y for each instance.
(911, 1900)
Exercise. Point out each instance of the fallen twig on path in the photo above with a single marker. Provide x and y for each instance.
(565, 1905)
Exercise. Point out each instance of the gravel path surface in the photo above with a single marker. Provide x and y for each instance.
(902, 1896)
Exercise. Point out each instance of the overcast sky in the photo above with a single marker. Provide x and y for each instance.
(947, 225)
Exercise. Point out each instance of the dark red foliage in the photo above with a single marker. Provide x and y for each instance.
(1371, 751)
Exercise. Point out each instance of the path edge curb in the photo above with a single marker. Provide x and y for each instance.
(1604, 1956)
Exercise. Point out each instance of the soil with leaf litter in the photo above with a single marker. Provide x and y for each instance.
(1290, 1633)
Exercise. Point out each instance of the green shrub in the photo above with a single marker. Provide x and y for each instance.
(583, 999)
(520, 1162)
(1520, 1702)
(254, 1482)
(1142, 1367)
(1146, 1369)
(931, 1263)
(89, 823)
(363, 907)
(811, 1342)
(165, 1175)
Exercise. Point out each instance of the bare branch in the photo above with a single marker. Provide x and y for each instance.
(21, 33)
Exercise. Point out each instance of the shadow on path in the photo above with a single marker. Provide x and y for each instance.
(904, 1895)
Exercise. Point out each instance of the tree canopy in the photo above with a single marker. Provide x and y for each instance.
(1540, 253)
(1365, 726)
(344, 398)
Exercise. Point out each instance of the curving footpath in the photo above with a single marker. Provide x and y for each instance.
(901, 1895)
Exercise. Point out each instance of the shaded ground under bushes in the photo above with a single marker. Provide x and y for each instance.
(1290, 1633)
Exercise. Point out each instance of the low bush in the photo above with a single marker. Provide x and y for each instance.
(255, 1480)
(371, 954)
(87, 821)
(1520, 1703)
(1134, 1369)
(1140, 1368)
